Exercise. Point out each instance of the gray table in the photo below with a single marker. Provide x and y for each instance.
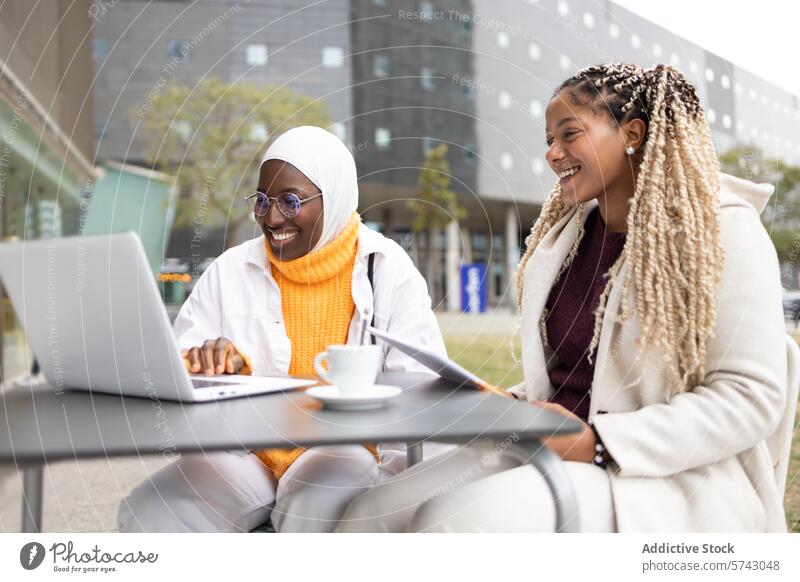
(38, 426)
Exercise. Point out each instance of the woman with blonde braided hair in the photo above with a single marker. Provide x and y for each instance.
(650, 305)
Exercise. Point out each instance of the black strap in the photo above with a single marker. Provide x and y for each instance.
(370, 271)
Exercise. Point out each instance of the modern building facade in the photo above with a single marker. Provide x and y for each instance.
(401, 76)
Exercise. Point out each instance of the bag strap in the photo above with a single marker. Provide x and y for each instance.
(370, 272)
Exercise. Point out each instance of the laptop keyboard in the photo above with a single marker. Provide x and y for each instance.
(201, 383)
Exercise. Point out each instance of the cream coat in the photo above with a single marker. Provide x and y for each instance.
(699, 462)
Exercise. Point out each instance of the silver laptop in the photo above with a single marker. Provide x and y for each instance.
(95, 321)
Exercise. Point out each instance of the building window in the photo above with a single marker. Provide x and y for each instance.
(426, 10)
(588, 20)
(693, 67)
(738, 88)
(657, 51)
(725, 81)
(339, 129)
(502, 39)
(711, 115)
(99, 49)
(727, 122)
(710, 74)
(538, 166)
(563, 7)
(178, 51)
(469, 153)
(332, 57)
(564, 62)
(536, 109)
(636, 42)
(256, 55)
(50, 223)
(383, 138)
(675, 60)
(506, 161)
(380, 66)
(426, 78)
(504, 99)
(613, 30)
(534, 51)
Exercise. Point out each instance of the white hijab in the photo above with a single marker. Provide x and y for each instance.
(327, 162)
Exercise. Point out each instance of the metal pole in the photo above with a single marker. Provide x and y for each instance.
(413, 454)
(2, 335)
(32, 484)
(551, 468)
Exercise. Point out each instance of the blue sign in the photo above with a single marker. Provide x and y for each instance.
(474, 289)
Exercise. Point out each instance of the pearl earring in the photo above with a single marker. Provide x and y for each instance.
(629, 150)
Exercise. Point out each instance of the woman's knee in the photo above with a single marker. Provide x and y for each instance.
(215, 492)
(317, 488)
(431, 517)
(488, 504)
(146, 509)
(363, 514)
(339, 466)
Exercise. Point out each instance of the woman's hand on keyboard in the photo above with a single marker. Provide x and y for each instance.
(215, 356)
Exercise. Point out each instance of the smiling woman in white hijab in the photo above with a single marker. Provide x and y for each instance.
(324, 160)
(267, 307)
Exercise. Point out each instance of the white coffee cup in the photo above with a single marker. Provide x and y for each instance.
(351, 368)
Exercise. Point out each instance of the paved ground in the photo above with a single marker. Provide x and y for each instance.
(78, 496)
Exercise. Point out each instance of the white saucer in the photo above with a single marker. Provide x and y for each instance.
(375, 396)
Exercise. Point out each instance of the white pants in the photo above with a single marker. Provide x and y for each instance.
(234, 491)
(471, 489)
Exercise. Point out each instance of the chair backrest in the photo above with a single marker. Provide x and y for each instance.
(780, 443)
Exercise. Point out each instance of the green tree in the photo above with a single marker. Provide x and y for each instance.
(435, 207)
(211, 137)
(782, 218)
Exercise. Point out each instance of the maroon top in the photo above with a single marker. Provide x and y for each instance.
(571, 305)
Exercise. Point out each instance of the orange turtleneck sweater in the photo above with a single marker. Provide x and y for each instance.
(317, 305)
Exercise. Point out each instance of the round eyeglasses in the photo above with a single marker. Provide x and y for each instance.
(289, 203)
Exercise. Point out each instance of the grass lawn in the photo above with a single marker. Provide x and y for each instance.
(490, 358)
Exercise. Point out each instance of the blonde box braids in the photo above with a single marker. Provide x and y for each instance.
(672, 246)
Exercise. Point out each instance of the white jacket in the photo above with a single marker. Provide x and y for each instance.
(699, 462)
(237, 298)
